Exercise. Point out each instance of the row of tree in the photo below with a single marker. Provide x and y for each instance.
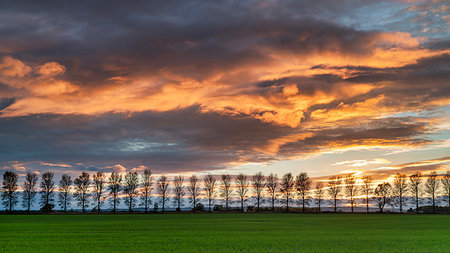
(132, 186)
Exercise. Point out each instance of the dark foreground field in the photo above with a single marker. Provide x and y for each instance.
(225, 233)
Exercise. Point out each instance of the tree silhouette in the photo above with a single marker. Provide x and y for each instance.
(99, 187)
(303, 185)
(131, 184)
(178, 190)
(242, 188)
(9, 189)
(415, 185)
(272, 182)
(47, 188)
(446, 183)
(400, 186)
(193, 190)
(431, 187)
(367, 189)
(210, 184)
(334, 189)
(350, 189)
(319, 193)
(147, 183)
(383, 194)
(258, 183)
(226, 190)
(162, 186)
(82, 184)
(114, 187)
(29, 189)
(64, 191)
(286, 188)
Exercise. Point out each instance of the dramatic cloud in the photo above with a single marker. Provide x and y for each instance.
(189, 86)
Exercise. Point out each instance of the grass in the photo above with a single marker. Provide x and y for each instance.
(225, 233)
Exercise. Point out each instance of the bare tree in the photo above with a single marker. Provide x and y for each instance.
(334, 189)
(431, 187)
(29, 189)
(162, 186)
(65, 185)
(350, 189)
(226, 190)
(383, 194)
(415, 185)
(82, 184)
(242, 188)
(400, 187)
(258, 183)
(147, 184)
(114, 187)
(367, 189)
(303, 185)
(130, 188)
(286, 188)
(210, 184)
(9, 189)
(47, 188)
(178, 190)
(446, 183)
(193, 190)
(319, 193)
(99, 187)
(272, 182)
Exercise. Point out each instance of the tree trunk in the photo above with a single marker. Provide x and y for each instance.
(130, 204)
(351, 202)
(335, 205)
(209, 205)
(417, 201)
(28, 204)
(434, 204)
(146, 202)
(367, 202)
(273, 204)
(303, 202)
(287, 204)
(114, 204)
(163, 203)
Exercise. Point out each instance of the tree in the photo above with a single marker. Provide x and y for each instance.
(99, 187)
(286, 188)
(383, 194)
(242, 188)
(162, 186)
(446, 183)
(178, 190)
(258, 187)
(210, 184)
(400, 186)
(147, 184)
(303, 184)
(130, 188)
(9, 189)
(114, 187)
(47, 188)
(226, 190)
(29, 189)
(367, 189)
(431, 187)
(64, 191)
(334, 189)
(319, 193)
(415, 185)
(350, 189)
(82, 184)
(272, 187)
(193, 190)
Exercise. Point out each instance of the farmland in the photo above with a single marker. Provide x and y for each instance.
(256, 232)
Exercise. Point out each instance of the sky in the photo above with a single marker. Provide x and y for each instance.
(182, 87)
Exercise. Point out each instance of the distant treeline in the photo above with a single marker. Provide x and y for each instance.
(135, 188)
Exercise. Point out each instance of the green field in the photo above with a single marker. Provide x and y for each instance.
(225, 233)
